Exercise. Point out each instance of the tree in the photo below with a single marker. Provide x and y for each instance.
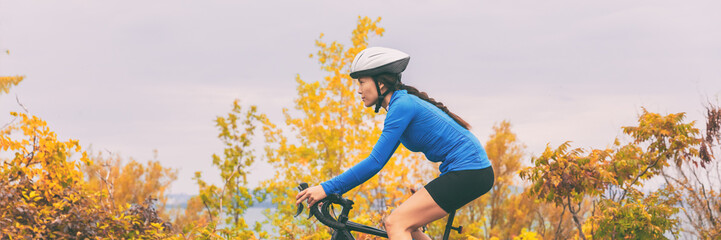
(612, 179)
(333, 133)
(191, 222)
(564, 177)
(658, 141)
(550, 221)
(131, 183)
(697, 183)
(229, 201)
(43, 194)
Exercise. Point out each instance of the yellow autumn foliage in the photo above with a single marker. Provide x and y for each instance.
(43, 194)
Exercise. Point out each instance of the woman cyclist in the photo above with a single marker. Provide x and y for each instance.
(422, 125)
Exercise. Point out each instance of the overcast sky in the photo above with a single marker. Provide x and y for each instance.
(133, 76)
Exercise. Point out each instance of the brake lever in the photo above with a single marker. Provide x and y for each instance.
(300, 206)
(310, 214)
(300, 209)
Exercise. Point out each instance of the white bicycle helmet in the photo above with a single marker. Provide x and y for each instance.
(378, 60)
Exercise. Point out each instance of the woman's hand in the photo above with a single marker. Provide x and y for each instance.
(313, 194)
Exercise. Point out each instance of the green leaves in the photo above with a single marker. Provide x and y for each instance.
(228, 202)
(638, 216)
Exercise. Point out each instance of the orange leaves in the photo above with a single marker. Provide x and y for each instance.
(667, 137)
(43, 193)
(614, 176)
(562, 173)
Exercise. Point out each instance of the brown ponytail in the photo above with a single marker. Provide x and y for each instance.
(393, 83)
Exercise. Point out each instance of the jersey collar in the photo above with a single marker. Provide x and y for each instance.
(396, 95)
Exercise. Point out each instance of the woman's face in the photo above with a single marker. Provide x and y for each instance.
(367, 90)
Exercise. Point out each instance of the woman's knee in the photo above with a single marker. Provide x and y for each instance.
(394, 222)
(390, 223)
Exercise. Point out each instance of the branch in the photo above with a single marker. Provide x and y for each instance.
(575, 217)
(637, 177)
(542, 223)
(558, 228)
(108, 185)
(593, 214)
(222, 192)
(692, 200)
(8, 124)
(21, 105)
(706, 202)
(717, 202)
(31, 155)
(210, 214)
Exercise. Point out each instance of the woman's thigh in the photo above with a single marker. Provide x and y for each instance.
(454, 189)
(418, 210)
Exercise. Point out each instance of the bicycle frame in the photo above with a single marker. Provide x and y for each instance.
(342, 228)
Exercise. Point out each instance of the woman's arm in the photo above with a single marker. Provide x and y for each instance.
(396, 122)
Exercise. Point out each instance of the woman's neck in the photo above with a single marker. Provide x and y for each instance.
(387, 100)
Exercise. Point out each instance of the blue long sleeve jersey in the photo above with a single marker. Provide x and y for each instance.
(421, 127)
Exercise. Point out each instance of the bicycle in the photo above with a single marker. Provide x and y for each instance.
(342, 228)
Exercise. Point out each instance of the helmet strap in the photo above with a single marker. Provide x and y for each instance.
(381, 96)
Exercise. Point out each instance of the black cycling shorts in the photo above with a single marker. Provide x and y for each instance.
(454, 189)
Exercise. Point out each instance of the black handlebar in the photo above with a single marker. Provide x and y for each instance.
(322, 213)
